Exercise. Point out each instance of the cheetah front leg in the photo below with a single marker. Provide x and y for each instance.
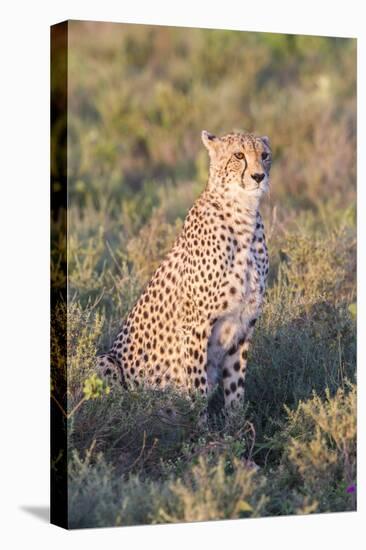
(233, 373)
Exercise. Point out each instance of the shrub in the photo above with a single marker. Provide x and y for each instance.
(83, 332)
(211, 492)
(322, 447)
(207, 492)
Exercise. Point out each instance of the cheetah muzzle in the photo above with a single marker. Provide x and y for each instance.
(193, 323)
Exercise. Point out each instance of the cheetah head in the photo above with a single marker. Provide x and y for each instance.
(239, 161)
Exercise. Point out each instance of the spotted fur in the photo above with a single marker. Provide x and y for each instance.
(193, 323)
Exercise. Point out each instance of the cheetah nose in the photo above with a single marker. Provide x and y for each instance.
(258, 177)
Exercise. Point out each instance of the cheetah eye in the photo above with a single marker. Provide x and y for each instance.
(264, 156)
(239, 156)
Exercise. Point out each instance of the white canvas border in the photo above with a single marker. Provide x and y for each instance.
(24, 203)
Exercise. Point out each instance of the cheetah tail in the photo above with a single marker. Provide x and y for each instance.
(108, 367)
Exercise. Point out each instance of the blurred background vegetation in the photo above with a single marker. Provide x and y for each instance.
(139, 97)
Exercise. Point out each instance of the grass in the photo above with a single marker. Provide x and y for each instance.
(135, 167)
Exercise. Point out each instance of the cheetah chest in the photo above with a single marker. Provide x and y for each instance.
(245, 279)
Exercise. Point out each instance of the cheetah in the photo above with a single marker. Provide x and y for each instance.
(193, 323)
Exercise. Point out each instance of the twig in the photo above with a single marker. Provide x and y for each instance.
(114, 257)
(141, 452)
(68, 415)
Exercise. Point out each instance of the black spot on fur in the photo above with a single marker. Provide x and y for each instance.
(241, 383)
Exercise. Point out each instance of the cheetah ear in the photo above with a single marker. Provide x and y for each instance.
(210, 141)
(265, 140)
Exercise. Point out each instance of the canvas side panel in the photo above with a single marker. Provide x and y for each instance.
(59, 41)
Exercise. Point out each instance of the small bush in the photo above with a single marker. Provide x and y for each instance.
(215, 491)
(207, 491)
(83, 332)
(322, 447)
